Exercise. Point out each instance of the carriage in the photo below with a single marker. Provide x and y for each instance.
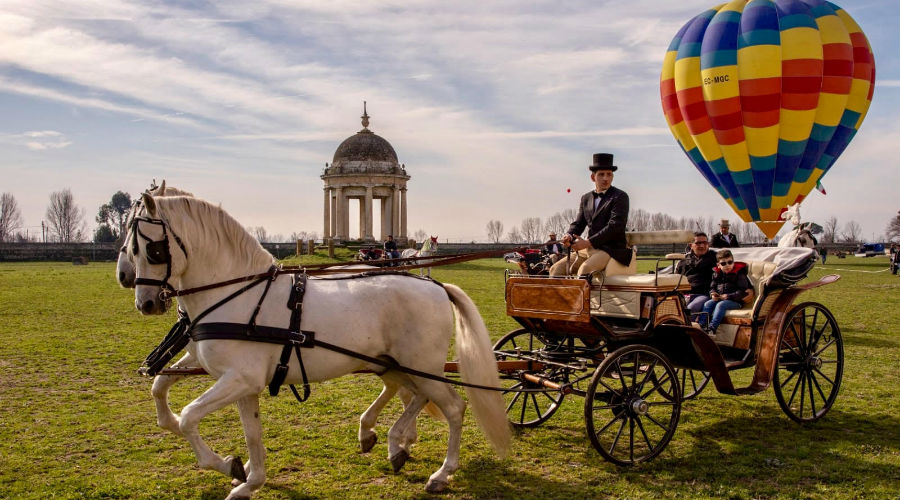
(626, 343)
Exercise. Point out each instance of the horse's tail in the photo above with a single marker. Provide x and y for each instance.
(477, 365)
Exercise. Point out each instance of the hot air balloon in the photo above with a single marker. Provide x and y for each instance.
(763, 96)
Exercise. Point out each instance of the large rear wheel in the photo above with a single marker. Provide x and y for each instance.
(632, 405)
(810, 362)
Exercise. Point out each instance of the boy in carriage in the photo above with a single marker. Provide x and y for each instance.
(729, 289)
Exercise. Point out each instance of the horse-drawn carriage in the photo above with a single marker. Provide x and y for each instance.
(626, 343)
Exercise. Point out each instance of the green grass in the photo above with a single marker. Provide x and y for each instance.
(76, 421)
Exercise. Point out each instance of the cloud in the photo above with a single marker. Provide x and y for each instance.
(38, 140)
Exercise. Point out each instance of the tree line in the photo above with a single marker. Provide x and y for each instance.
(533, 230)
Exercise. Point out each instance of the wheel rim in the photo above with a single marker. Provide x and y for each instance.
(632, 405)
(692, 382)
(810, 363)
(527, 409)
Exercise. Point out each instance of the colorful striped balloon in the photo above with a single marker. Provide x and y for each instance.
(764, 95)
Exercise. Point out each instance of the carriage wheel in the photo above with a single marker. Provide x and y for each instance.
(692, 382)
(632, 405)
(810, 362)
(527, 409)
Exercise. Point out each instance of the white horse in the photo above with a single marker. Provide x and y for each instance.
(406, 320)
(803, 233)
(162, 384)
(429, 248)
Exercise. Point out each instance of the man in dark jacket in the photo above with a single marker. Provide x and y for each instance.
(724, 239)
(604, 212)
(697, 267)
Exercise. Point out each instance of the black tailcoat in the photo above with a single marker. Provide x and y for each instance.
(606, 225)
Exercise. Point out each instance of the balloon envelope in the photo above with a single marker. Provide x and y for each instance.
(763, 96)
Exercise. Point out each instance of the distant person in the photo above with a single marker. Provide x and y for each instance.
(697, 266)
(553, 248)
(390, 248)
(729, 288)
(823, 253)
(724, 239)
(604, 213)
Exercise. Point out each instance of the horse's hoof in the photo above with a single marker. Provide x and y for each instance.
(435, 486)
(399, 459)
(237, 469)
(367, 443)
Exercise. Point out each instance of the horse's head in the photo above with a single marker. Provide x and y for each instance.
(124, 266)
(156, 254)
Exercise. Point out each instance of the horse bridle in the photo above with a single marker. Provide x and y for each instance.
(157, 251)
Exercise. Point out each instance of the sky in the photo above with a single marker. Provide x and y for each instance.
(495, 107)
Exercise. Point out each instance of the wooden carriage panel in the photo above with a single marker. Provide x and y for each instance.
(549, 298)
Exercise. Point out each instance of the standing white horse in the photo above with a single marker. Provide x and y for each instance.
(429, 248)
(187, 243)
(803, 233)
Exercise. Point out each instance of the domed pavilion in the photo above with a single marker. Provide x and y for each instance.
(365, 168)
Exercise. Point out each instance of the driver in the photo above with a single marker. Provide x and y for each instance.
(390, 248)
(604, 212)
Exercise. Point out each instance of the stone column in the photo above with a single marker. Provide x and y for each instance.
(403, 229)
(345, 210)
(385, 218)
(368, 214)
(326, 231)
(338, 227)
(362, 220)
(395, 213)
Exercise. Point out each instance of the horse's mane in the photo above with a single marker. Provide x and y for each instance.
(214, 226)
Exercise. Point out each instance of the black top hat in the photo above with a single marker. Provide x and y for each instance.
(603, 161)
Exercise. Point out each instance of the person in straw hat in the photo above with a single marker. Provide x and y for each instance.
(724, 239)
(603, 211)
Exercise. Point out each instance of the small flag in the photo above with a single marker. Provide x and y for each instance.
(820, 187)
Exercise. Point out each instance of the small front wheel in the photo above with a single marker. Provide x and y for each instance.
(532, 408)
(810, 362)
(632, 405)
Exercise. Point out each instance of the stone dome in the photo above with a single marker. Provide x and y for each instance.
(365, 146)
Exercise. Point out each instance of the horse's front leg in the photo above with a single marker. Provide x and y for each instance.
(367, 436)
(165, 418)
(228, 389)
(256, 465)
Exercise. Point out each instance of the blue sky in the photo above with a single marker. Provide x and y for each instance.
(494, 107)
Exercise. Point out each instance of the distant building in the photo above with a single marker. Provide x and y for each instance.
(365, 168)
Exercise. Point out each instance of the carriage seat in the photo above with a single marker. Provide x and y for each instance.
(758, 272)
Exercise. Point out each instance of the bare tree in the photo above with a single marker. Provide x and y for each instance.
(420, 235)
(494, 231)
(64, 218)
(638, 220)
(852, 232)
(531, 229)
(893, 228)
(514, 235)
(10, 216)
(831, 229)
(556, 224)
(259, 233)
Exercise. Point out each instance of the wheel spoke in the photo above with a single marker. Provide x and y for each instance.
(796, 337)
(658, 385)
(644, 433)
(647, 376)
(537, 407)
(615, 417)
(618, 435)
(524, 407)
(826, 346)
(812, 397)
(819, 388)
(515, 398)
(785, 381)
(661, 426)
(813, 338)
(824, 376)
(802, 391)
(631, 439)
(621, 376)
(794, 392)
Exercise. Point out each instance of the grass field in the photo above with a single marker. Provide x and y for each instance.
(76, 421)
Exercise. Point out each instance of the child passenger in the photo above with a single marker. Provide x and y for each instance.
(729, 288)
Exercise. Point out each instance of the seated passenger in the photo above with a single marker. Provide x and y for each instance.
(729, 288)
(390, 248)
(604, 212)
(552, 248)
(697, 267)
